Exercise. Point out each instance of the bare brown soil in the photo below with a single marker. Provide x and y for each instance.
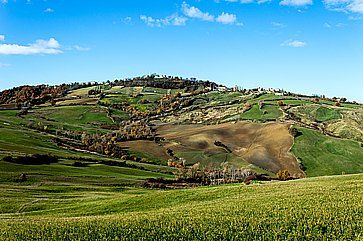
(149, 147)
(264, 145)
(84, 101)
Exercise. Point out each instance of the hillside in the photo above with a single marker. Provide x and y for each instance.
(147, 123)
(142, 159)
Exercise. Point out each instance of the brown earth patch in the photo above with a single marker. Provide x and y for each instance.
(264, 145)
(83, 101)
(149, 147)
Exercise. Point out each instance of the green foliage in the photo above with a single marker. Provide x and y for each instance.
(268, 112)
(325, 114)
(317, 113)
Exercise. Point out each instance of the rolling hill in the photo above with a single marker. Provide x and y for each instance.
(75, 160)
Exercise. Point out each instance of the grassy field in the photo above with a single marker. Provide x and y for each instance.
(268, 112)
(323, 155)
(317, 113)
(327, 208)
(67, 174)
(17, 140)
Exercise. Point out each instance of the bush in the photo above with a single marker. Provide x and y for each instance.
(79, 164)
(280, 103)
(295, 132)
(35, 159)
(283, 175)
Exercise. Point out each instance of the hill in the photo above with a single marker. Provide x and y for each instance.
(141, 159)
(147, 122)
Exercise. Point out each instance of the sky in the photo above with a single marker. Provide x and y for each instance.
(304, 46)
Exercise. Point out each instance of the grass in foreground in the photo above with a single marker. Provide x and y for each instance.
(327, 208)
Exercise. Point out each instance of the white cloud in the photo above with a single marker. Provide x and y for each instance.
(223, 18)
(294, 43)
(2, 37)
(356, 6)
(4, 1)
(40, 46)
(353, 6)
(178, 21)
(174, 20)
(226, 18)
(296, 3)
(49, 10)
(190, 12)
(152, 22)
(194, 12)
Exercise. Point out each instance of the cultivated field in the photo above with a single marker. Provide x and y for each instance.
(325, 208)
(262, 145)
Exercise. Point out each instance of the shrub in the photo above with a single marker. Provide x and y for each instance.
(316, 100)
(283, 175)
(35, 159)
(280, 103)
(23, 177)
(79, 164)
(295, 132)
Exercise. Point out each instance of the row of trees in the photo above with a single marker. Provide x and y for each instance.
(32, 94)
(108, 144)
(165, 82)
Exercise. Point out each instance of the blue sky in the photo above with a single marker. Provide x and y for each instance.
(306, 46)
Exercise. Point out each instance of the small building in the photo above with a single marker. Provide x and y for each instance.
(222, 88)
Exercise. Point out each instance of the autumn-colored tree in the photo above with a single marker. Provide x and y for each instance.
(281, 103)
(283, 175)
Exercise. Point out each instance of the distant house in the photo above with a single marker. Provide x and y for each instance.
(222, 88)
(159, 77)
(235, 88)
